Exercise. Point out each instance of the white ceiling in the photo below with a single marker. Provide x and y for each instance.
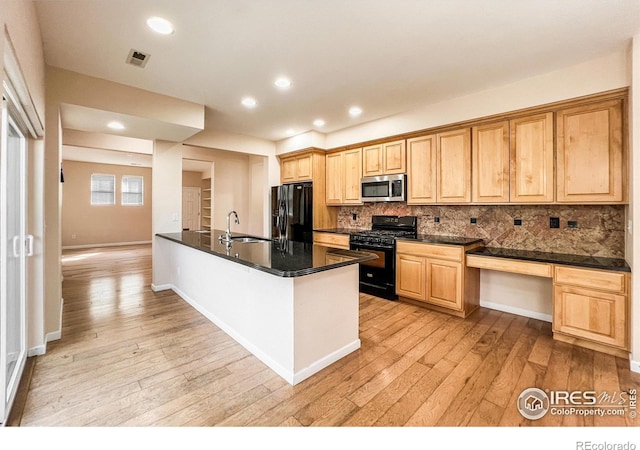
(387, 56)
(102, 156)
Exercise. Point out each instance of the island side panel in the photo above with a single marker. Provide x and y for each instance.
(253, 307)
(326, 319)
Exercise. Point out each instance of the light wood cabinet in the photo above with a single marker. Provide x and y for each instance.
(439, 168)
(590, 308)
(531, 159)
(384, 159)
(490, 159)
(590, 153)
(335, 240)
(453, 163)
(436, 276)
(344, 171)
(410, 276)
(296, 168)
(421, 170)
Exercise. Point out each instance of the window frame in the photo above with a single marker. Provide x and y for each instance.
(92, 191)
(123, 192)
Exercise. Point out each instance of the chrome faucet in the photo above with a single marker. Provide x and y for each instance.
(227, 234)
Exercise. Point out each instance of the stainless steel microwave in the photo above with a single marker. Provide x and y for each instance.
(384, 188)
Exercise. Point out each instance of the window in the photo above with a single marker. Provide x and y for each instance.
(132, 190)
(103, 189)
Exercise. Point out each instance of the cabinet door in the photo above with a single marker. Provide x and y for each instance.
(421, 170)
(304, 168)
(372, 162)
(444, 283)
(334, 178)
(531, 153)
(490, 159)
(352, 169)
(289, 170)
(589, 153)
(454, 166)
(410, 273)
(589, 314)
(395, 159)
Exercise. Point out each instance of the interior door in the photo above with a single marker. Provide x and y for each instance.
(15, 247)
(190, 208)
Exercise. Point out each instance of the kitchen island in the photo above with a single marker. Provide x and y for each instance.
(293, 305)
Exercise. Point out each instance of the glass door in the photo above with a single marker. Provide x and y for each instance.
(15, 248)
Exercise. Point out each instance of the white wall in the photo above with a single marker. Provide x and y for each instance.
(166, 196)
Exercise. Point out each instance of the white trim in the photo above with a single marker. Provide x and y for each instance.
(325, 362)
(112, 244)
(161, 287)
(19, 85)
(516, 311)
(37, 350)
(634, 366)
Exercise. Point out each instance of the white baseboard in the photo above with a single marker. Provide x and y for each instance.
(516, 311)
(635, 366)
(161, 287)
(37, 350)
(112, 244)
(305, 373)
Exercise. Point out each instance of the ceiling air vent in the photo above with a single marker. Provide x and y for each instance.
(138, 58)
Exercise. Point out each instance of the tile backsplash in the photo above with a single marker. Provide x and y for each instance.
(598, 231)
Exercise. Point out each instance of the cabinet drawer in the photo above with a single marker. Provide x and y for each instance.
(452, 253)
(331, 240)
(594, 279)
(510, 265)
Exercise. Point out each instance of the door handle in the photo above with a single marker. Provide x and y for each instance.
(16, 247)
(29, 245)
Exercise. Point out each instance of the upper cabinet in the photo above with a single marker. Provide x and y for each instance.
(531, 150)
(421, 170)
(344, 171)
(439, 168)
(384, 159)
(296, 168)
(490, 157)
(453, 166)
(589, 155)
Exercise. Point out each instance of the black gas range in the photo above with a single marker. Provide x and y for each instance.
(378, 277)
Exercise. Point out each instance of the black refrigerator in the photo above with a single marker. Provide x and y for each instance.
(292, 212)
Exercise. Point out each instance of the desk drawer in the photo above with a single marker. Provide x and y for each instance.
(601, 280)
(510, 265)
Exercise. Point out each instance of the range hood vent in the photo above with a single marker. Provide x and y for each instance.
(138, 58)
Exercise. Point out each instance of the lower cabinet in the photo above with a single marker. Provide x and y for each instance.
(590, 308)
(436, 276)
(335, 240)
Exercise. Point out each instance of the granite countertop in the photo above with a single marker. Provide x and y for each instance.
(435, 239)
(593, 262)
(341, 230)
(283, 259)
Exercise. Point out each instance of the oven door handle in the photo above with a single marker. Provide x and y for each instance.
(360, 247)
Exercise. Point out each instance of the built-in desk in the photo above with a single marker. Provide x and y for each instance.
(590, 293)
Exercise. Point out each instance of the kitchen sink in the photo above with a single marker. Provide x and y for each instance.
(248, 239)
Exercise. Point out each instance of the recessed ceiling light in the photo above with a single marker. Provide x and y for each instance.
(319, 122)
(291, 132)
(115, 125)
(283, 83)
(355, 111)
(160, 25)
(249, 102)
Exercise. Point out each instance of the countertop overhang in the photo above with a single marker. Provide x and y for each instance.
(279, 258)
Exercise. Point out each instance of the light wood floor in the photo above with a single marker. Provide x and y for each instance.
(132, 357)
